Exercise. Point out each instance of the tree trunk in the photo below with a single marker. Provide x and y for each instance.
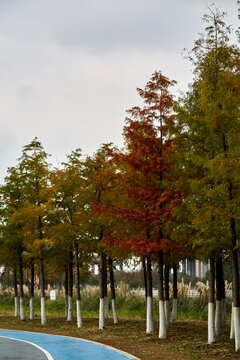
(105, 301)
(42, 279)
(162, 320)
(175, 291)
(42, 286)
(101, 303)
(66, 289)
(218, 314)
(232, 330)
(223, 304)
(77, 285)
(15, 292)
(211, 325)
(166, 288)
(31, 294)
(113, 296)
(22, 312)
(70, 289)
(150, 312)
(235, 288)
(235, 270)
(144, 276)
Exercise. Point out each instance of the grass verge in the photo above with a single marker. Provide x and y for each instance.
(187, 340)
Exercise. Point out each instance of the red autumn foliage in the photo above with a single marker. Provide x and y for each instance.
(151, 180)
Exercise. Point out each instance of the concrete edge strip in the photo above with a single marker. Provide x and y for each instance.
(131, 357)
(49, 356)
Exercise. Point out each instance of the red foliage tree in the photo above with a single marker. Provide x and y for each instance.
(152, 190)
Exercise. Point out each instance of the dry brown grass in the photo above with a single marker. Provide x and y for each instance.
(202, 290)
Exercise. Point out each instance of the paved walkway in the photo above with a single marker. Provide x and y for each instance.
(15, 349)
(19, 345)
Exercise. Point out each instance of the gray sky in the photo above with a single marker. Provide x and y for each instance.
(69, 69)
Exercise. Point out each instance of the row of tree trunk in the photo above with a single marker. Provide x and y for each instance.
(163, 290)
(103, 304)
(217, 314)
(21, 294)
(104, 264)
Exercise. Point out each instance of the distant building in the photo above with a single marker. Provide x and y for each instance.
(195, 268)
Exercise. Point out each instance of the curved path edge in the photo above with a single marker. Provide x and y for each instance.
(124, 353)
(130, 356)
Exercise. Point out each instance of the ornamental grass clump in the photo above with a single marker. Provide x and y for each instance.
(183, 289)
(202, 290)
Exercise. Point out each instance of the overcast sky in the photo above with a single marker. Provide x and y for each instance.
(69, 69)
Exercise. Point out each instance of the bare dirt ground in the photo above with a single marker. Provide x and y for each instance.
(186, 340)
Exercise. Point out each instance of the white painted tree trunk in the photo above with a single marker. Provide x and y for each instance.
(31, 309)
(174, 311)
(150, 316)
(43, 311)
(236, 314)
(101, 315)
(79, 314)
(218, 318)
(232, 332)
(224, 320)
(106, 308)
(115, 313)
(166, 307)
(22, 312)
(16, 313)
(66, 306)
(162, 321)
(70, 309)
(211, 324)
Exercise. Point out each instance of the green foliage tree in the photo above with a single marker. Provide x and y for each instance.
(12, 241)
(69, 220)
(32, 216)
(209, 124)
(101, 186)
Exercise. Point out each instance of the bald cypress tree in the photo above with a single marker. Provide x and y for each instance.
(12, 240)
(210, 125)
(34, 172)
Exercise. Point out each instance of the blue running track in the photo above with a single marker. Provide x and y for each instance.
(66, 348)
